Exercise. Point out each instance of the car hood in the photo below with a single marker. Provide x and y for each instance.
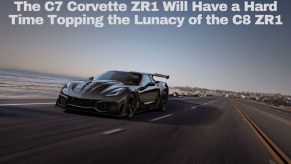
(91, 88)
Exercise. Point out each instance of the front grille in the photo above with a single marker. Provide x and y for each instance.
(107, 106)
(82, 102)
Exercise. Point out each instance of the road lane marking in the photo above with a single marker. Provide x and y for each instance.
(113, 131)
(26, 104)
(201, 105)
(158, 118)
(273, 149)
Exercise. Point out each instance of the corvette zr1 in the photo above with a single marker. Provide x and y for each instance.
(116, 93)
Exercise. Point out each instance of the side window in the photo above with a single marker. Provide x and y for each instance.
(145, 80)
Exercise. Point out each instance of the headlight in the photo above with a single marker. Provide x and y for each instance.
(115, 92)
(66, 87)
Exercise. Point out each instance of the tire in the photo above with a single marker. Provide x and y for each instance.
(163, 101)
(130, 106)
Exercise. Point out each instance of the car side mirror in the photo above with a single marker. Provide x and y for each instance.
(91, 78)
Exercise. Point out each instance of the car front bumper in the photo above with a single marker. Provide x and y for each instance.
(102, 106)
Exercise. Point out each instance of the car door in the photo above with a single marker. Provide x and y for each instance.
(149, 93)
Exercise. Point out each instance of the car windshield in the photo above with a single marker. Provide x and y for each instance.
(128, 78)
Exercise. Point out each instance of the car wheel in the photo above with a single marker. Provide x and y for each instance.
(130, 106)
(163, 101)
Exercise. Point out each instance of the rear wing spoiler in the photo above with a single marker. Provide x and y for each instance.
(161, 75)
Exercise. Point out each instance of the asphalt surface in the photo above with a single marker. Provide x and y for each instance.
(192, 130)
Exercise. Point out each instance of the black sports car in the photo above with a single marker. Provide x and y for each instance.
(116, 93)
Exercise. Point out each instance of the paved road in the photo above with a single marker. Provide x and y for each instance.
(192, 130)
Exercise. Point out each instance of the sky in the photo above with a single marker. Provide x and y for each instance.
(238, 58)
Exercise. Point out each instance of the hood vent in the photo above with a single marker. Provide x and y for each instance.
(97, 88)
